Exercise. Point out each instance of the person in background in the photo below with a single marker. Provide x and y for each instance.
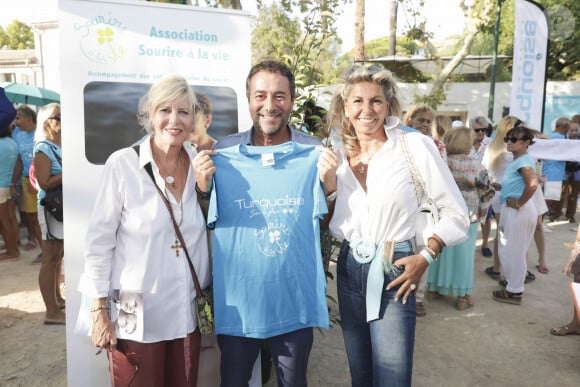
(376, 205)
(452, 273)
(421, 118)
(284, 253)
(23, 134)
(572, 269)
(571, 185)
(518, 214)
(442, 125)
(481, 126)
(8, 157)
(48, 168)
(496, 159)
(555, 170)
(136, 270)
(204, 115)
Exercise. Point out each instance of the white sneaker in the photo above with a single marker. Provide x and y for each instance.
(547, 228)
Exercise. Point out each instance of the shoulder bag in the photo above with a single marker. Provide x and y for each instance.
(52, 200)
(427, 214)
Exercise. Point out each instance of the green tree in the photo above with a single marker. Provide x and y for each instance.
(3, 37)
(18, 36)
(478, 15)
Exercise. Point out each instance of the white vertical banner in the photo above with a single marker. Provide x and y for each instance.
(110, 53)
(529, 63)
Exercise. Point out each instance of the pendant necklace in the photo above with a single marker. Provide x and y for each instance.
(364, 161)
(169, 179)
(177, 245)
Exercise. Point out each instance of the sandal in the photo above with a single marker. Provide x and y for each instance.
(464, 302)
(504, 296)
(529, 277)
(563, 331)
(420, 309)
(542, 269)
(492, 273)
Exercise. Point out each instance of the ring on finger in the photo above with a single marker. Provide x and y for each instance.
(413, 287)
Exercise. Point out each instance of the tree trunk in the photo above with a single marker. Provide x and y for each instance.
(359, 31)
(393, 28)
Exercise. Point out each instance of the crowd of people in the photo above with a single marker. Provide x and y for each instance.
(243, 215)
(30, 165)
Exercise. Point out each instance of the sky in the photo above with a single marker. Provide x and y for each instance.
(444, 17)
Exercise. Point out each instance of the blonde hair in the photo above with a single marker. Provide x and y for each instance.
(167, 89)
(42, 118)
(442, 125)
(354, 75)
(458, 140)
(496, 147)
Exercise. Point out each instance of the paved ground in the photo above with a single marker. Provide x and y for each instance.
(492, 344)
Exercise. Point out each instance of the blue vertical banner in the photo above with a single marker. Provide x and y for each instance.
(531, 33)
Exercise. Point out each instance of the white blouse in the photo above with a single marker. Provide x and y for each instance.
(129, 245)
(387, 210)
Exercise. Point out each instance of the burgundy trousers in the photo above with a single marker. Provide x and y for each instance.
(161, 364)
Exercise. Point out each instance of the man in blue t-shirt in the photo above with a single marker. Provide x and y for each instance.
(23, 135)
(270, 88)
(555, 170)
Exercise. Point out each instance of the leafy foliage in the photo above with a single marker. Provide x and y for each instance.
(17, 36)
(307, 43)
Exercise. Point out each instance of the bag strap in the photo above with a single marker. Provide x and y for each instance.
(149, 170)
(415, 174)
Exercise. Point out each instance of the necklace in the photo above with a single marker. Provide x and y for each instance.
(176, 245)
(169, 179)
(364, 162)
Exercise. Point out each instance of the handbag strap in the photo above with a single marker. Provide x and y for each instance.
(149, 170)
(415, 174)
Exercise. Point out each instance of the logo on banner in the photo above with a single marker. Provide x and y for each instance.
(101, 39)
(562, 22)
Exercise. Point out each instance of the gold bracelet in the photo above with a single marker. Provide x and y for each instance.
(100, 307)
(436, 241)
(432, 252)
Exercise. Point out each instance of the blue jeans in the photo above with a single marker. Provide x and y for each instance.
(290, 353)
(380, 353)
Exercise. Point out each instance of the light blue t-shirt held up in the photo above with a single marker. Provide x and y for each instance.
(267, 266)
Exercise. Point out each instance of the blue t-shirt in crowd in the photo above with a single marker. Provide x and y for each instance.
(266, 205)
(51, 150)
(25, 142)
(513, 184)
(8, 157)
(553, 169)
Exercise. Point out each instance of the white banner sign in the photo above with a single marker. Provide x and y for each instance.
(110, 53)
(529, 63)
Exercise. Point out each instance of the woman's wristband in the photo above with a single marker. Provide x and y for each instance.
(427, 257)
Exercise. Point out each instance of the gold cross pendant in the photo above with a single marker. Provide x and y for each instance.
(176, 245)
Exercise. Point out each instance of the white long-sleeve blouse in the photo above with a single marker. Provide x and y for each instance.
(129, 245)
(387, 210)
